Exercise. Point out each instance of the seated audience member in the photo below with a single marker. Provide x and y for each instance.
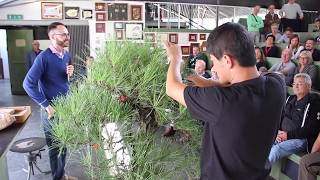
(261, 59)
(200, 69)
(270, 50)
(309, 167)
(310, 46)
(286, 36)
(306, 65)
(297, 131)
(275, 31)
(196, 54)
(271, 18)
(286, 66)
(317, 27)
(294, 45)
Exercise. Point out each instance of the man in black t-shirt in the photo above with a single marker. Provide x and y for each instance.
(241, 112)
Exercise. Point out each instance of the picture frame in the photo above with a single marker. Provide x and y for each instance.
(136, 12)
(203, 37)
(117, 12)
(71, 12)
(100, 27)
(185, 50)
(203, 47)
(134, 31)
(118, 25)
(119, 34)
(87, 13)
(101, 16)
(193, 37)
(173, 38)
(150, 37)
(100, 6)
(51, 10)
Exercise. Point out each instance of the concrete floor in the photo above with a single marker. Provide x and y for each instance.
(33, 128)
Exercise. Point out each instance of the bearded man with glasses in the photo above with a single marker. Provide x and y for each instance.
(46, 80)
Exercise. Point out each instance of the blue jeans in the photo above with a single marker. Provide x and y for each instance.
(57, 158)
(286, 148)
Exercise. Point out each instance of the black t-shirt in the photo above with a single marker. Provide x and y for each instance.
(271, 51)
(240, 124)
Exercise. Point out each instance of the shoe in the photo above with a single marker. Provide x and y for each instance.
(66, 177)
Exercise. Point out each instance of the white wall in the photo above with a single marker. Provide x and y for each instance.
(4, 53)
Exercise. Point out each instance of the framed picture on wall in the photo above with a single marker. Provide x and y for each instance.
(203, 37)
(119, 34)
(87, 14)
(100, 6)
(185, 50)
(173, 38)
(117, 12)
(71, 12)
(193, 37)
(101, 16)
(134, 31)
(136, 13)
(118, 25)
(100, 27)
(51, 10)
(150, 37)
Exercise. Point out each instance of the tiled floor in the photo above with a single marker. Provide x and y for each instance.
(33, 128)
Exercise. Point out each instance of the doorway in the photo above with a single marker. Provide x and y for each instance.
(18, 45)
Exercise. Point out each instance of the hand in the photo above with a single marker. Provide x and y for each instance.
(70, 70)
(50, 111)
(173, 52)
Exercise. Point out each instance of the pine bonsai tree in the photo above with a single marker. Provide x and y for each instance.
(116, 115)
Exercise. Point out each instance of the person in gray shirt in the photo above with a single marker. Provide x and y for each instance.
(286, 66)
(289, 13)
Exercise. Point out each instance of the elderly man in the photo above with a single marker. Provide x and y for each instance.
(270, 19)
(254, 23)
(201, 69)
(286, 67)
(31, 56)
(310, 46)
(298, 129)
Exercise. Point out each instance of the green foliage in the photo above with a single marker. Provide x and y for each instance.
(126, 86)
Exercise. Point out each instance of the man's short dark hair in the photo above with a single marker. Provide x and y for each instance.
(288, 29)
(232, 39)
(310, 39)
(54, 25)
(270, 35)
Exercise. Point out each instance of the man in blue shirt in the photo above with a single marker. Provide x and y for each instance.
(48, 79)
(31, 56)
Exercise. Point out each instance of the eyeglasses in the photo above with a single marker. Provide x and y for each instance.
(63, 34)
(298, 84)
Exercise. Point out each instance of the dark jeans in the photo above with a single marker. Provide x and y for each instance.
(57, 158)
(295, 24)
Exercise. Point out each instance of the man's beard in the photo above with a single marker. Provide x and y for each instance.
(63, 43)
